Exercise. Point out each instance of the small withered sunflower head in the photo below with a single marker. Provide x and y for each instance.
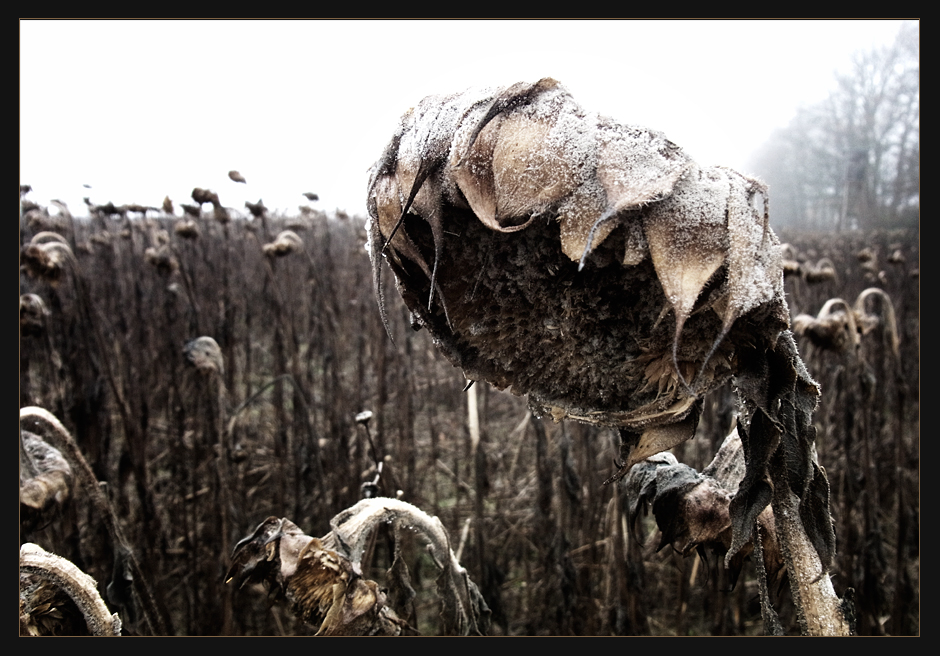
(45, 256)
(287, 242)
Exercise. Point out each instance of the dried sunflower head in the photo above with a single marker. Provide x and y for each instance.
(286, 243)
(597, 269)
(588, 264)
(45, 256)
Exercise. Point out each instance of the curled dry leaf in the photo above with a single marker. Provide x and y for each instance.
(692, 509)
(595, 268)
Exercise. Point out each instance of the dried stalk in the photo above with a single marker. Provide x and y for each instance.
(819, 609)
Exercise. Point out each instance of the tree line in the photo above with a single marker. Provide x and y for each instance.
(852, 161)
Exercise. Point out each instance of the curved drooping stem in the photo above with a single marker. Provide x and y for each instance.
(81, 588)
(463, 605)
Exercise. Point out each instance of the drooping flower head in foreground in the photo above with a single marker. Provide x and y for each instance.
(595, 268)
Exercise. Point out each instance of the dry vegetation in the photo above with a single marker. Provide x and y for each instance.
(197, 445)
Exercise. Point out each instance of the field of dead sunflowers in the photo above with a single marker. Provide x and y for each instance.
(111, 314)
(229, 407)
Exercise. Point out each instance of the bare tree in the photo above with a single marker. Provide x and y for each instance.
(852, 161)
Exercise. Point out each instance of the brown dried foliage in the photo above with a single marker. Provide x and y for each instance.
(321, 578)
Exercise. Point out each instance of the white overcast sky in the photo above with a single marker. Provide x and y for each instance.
(143, 109)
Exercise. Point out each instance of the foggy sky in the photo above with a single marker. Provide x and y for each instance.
(143, 109)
